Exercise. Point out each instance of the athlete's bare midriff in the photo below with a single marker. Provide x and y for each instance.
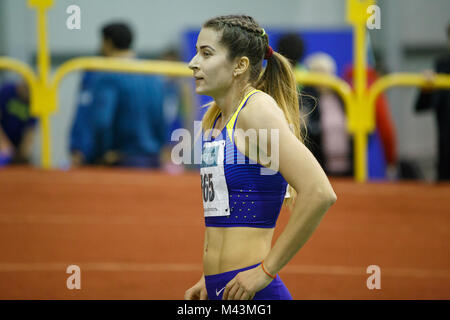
(232, 248)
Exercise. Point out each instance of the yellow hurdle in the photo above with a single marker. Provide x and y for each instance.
(359, 103)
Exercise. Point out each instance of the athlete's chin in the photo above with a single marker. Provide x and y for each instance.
(198, 90)
(203, 91)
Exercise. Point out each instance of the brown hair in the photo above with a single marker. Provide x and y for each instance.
(244, 37)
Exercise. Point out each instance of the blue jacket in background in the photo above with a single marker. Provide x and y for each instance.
(120, 112)
(81, 137)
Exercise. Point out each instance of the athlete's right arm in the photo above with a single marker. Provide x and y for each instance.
(198, 290)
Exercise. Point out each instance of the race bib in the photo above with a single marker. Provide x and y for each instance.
(214, 185)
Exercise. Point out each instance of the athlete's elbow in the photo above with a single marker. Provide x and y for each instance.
(325, 196)
(332, 198)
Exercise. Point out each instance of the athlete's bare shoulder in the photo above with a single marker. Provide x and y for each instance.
(261, 111)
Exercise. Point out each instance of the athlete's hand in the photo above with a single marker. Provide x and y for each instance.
(246, 284)
(197, 291)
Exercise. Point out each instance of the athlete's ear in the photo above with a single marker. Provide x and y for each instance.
(242, 64)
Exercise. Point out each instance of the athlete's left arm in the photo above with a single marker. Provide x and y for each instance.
(302, 171)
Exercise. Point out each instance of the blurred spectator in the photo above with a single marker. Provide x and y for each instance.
(382, 144)
(327, 136)
(291, 46)
(322, 109)
(439, 102)
(122, 114)
(17, 127)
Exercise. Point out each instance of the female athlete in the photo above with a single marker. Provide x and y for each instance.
(253, 160)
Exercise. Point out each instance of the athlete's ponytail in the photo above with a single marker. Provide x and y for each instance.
(278, 81)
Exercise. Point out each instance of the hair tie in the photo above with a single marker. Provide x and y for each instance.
(263, 32)
(269, 53)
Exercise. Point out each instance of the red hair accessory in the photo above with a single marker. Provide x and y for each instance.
(269, 53)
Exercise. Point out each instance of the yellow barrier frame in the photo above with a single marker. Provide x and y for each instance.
(362, 116)
(359, 102)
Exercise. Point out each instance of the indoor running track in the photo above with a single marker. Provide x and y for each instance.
(138, 235)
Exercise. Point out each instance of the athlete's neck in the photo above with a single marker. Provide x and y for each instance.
(229, 102)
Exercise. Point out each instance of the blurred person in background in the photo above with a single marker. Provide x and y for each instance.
(17, 126)
(120, 120)
(291, 46)
(438, 101)
(327, 135)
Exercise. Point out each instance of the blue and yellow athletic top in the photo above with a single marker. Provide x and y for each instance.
(254, 199)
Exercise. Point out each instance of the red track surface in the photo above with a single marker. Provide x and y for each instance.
(138, 235)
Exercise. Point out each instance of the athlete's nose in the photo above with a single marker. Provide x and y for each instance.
(193, 65)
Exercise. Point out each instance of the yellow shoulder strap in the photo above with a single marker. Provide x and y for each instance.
(230, 124)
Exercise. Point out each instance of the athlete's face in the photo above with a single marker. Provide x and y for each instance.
(213, 72)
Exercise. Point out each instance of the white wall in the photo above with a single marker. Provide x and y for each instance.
(158, 23)
(17, 29)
